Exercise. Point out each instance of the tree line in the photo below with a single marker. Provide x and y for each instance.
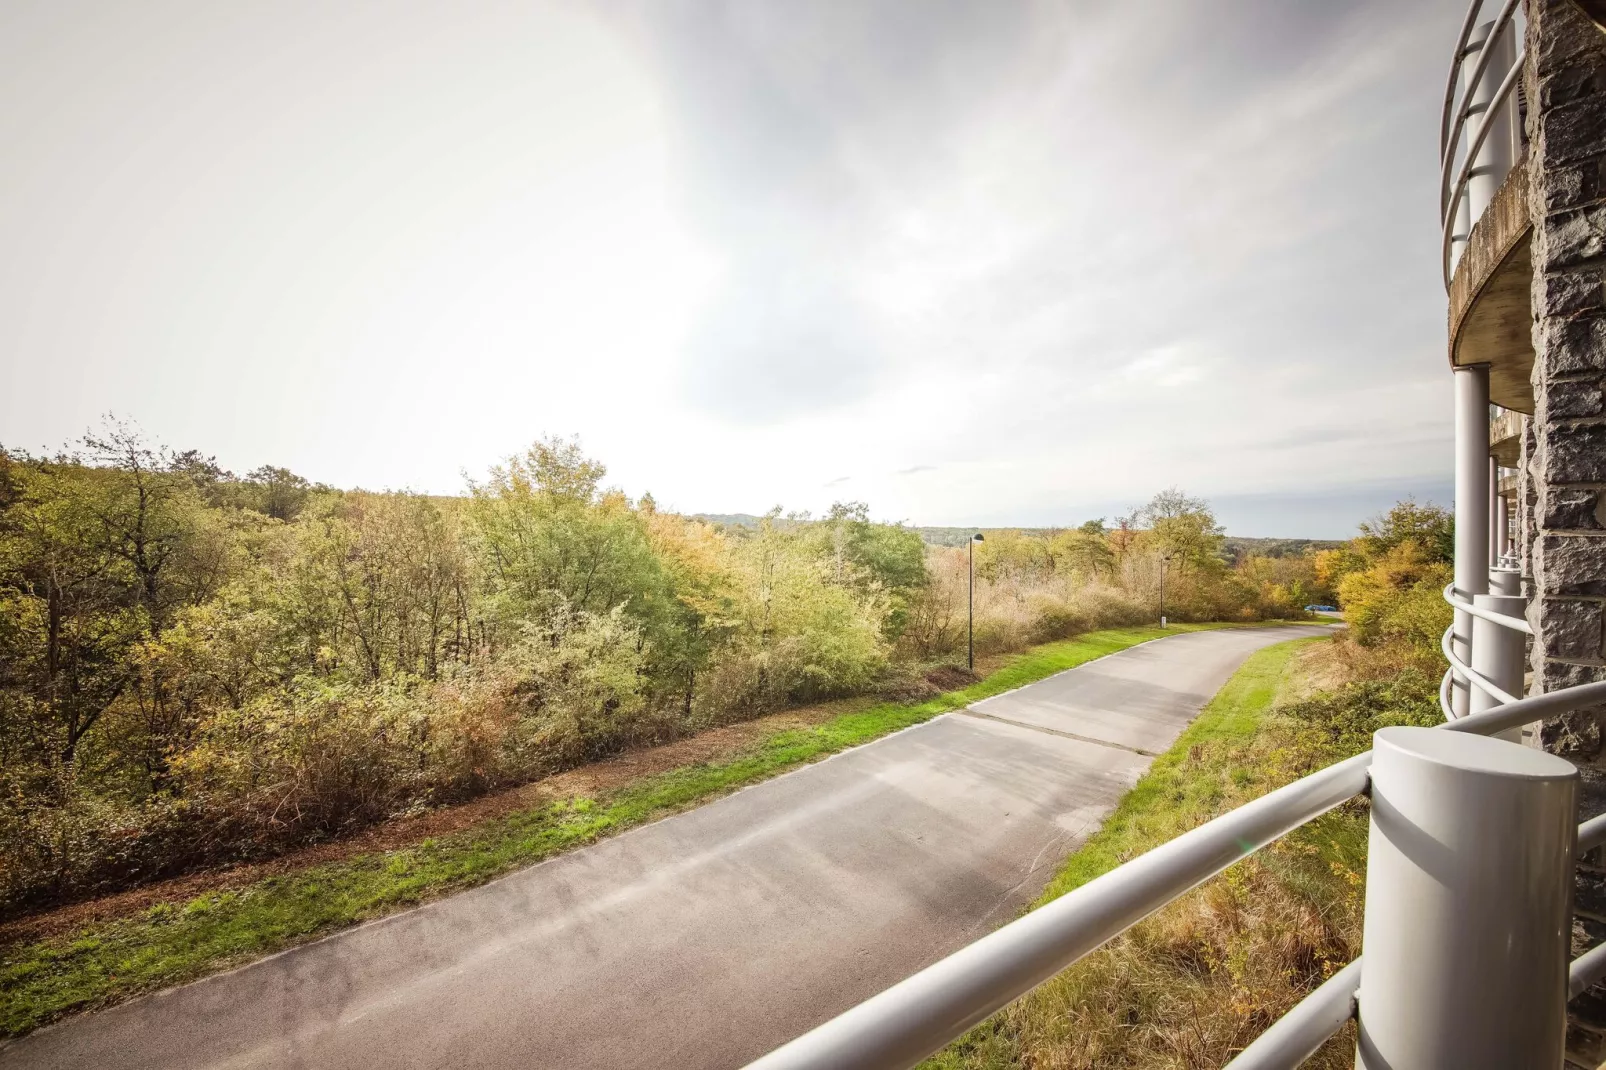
(198, 667)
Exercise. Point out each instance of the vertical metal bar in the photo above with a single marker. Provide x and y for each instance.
(1468, 904)
(1494, 503)
(1471, 511)
(1502, 528)
(1497, 652)
(1163, 559)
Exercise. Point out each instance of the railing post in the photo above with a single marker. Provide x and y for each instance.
(1471, 511)
(1468, 904)
(1498, 652)
(1494, 503)
(1502, 528)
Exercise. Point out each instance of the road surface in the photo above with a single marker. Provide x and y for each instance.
(708, 938)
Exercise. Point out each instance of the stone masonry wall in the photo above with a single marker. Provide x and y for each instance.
(1565, 84)
(1563, 480)
(1523, 514)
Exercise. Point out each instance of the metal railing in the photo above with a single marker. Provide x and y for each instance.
(921, 1014)
(1505, 620)
(1459, 108)
(1459, 668)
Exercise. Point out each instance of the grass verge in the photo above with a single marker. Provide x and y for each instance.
(1189, 987)
(169, 944)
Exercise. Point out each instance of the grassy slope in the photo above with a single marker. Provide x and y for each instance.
(1192, 985)
(109, 962)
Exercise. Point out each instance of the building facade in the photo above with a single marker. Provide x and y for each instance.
(1525, 266)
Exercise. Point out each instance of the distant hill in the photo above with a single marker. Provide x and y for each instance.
(1237, 547)
(959, 536)
(1240, 547)
(933, 536)
(730, 520)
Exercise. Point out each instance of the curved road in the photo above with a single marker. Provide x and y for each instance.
(708, 938)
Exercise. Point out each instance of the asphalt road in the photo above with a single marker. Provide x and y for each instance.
(708, 938)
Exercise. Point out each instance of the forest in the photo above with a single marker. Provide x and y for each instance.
(198, 667)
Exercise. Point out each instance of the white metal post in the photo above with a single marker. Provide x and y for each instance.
(1494, 504)
(1471, 511)
(1502, 522)
(1498, 652)
(1468, 904)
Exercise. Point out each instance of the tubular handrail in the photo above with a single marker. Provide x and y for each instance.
(1591, 834)
(1314, 1020)
(1317, 1018)
(1586, 970)
(1471, 675)
(915, 1017)
(1485, 55)
(1505, 620)
(1478, 138)
(1295, 1036)
(1530, 709)
(1455, 70)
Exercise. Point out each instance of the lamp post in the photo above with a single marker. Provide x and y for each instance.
(970, 616)
(1164, 558)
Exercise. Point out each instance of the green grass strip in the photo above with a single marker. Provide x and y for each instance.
(1212, 766)
(173, 943)
(1175, 795)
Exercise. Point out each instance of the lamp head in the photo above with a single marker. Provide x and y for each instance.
(977, 538)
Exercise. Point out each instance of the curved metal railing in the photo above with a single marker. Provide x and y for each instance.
(917, 1016)
(1455, 144)
(1470, 675)
(1458, 667)
(1505, 620)
(1459, 108)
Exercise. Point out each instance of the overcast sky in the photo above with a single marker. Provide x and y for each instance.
(970, 262)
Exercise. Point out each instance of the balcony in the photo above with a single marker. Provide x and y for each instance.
(1505, 435)
(1490, 316)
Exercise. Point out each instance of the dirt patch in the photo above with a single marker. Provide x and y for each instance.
(586, 781)
(951, 678)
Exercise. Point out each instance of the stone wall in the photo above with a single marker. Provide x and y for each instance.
(1563, 477)
(1565, 84)
(1522, 536)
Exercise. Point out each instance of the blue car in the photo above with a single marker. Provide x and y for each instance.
(1321, 609)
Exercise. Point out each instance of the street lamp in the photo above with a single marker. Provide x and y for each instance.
(970, 622)
(1163, 559)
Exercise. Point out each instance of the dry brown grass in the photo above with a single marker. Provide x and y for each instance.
(1196, 983)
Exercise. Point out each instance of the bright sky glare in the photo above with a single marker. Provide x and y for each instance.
(969, 262)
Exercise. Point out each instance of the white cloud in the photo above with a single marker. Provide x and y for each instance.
(979, 263)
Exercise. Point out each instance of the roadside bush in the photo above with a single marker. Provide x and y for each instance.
(68, 842)
(1398, 598)
(1013, 609)
(321, 760)
(577, 691)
